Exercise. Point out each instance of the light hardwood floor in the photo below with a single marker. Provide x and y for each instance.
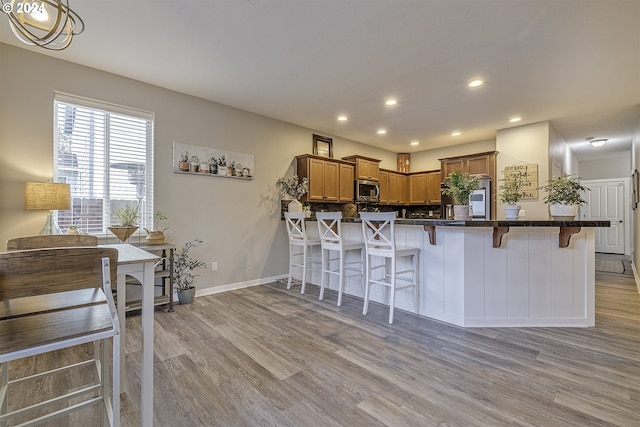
(267, 356)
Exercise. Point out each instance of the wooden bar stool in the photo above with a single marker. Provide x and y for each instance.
(329, 229)
(53, 299)
(298, 239)
(378, 229)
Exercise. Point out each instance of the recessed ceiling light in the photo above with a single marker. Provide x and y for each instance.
(381, 132)
(475, 83)
(456, 133)
(391, 102)
(342, 118)
(515, 119)
(415, 143)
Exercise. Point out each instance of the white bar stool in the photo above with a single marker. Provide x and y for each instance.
(329, 229)
(378, 229)
(298, 238)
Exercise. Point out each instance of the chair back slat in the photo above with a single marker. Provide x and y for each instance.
(295, 226)
(329, 228)
(51, 241)
(44, 271)
(378, 231)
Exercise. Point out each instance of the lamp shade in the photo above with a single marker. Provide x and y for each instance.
(47, 196)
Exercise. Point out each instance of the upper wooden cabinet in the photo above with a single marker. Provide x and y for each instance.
(324, 178)
(433, 188)
(418, 188)
(384, 187)
(474, 164)
(366, 167)
(397, 188)
(346, 190)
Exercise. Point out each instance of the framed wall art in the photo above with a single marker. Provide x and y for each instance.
(214, 162)
(322, 146)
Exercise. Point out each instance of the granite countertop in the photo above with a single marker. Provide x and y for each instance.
(484, 223)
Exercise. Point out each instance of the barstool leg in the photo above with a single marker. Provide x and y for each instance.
(341, 278)
(367, 274)
(392, 299)
(324, 272)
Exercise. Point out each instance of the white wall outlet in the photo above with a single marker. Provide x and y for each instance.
(214, 265)
(521, 214)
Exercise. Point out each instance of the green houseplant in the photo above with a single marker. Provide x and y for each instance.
(510, 193)
(459, 186)
(127, 217)
(156, 236)
(564, 196)
(292, 189)
(184, 270)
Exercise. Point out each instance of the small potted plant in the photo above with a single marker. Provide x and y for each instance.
(222, 166)
(510, 193)
(213, 165)
(184, 270)
(194, 164)
(183, 164)
(127, 217)
(292, 189)
(564, 195)
(156, 236)
(460, 186)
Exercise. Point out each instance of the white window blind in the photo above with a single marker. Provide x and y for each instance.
(105, 152)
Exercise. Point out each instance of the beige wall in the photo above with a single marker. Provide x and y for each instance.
(238, 220)
(528, 144)
(618, 166)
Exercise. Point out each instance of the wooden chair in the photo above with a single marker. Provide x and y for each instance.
(332, 242)
(378, 229)
(54, 299)
(51, 241)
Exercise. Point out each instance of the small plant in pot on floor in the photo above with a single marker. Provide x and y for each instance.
(185, 272)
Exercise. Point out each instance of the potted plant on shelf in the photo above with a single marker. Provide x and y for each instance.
(292, 189)
(156, 236)
(510, 193)
(564, 195)
(460, 185)
(127, 218)
(222, 166)
(194, 164)
(183, 164)
(184, 270)
(213, 165)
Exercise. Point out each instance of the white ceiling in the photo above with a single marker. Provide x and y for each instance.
(575, 63)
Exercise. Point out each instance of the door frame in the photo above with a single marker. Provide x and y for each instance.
(626, 210)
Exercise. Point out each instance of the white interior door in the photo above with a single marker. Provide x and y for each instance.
(606, 203)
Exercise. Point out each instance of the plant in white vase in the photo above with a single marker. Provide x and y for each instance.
(460, 185)
(292, 189)
(510, 193)
(564, 196)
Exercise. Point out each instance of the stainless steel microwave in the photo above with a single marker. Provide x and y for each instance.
(367, 191)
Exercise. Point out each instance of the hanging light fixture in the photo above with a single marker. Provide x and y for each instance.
(597, 142)
(50, 24)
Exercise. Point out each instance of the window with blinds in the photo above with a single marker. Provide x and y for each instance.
(105, 153)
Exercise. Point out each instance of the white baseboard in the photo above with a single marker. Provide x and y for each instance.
(239, 285)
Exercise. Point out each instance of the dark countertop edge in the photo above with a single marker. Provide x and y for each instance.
(482, 223)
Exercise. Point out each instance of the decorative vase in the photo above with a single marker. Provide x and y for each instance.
(461, 213)
(123, 233)
(562, 212)
(184, 166)
(222, 170)
(511, 212)
(186, 296)
(193, 167)
(204, 167)
(294, 206)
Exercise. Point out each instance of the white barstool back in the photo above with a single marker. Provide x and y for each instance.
(378, 230)
(330, 231)
(297, 233)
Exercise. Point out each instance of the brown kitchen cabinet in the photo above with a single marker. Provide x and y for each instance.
(345, 193)
(384, 186)
(366, 167)
(397, 184)
(474, 164)
(417, 188)
(433, 188)
(324, 178)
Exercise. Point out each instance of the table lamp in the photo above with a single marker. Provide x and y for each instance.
(47, 196)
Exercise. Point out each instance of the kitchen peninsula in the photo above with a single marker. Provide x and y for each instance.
(496, 273)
